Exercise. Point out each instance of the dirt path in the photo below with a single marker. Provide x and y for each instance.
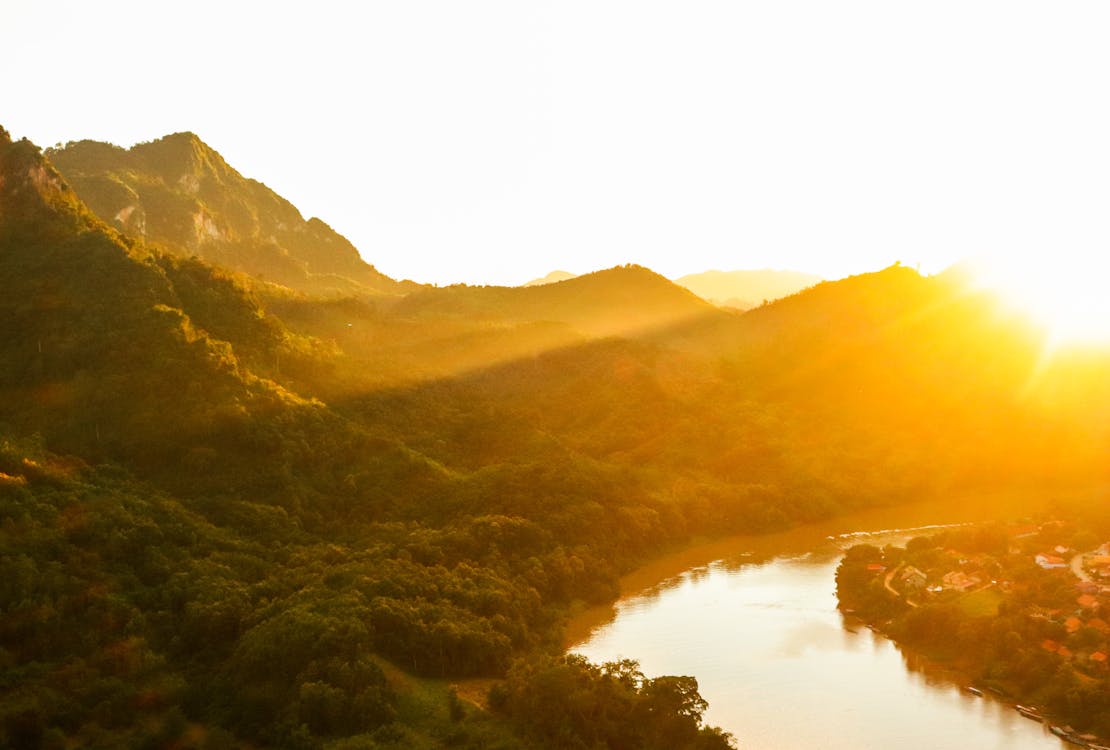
(889, 578)
(891, 589)
(1077, 568)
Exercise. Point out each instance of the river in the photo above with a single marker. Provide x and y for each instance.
(754, 618)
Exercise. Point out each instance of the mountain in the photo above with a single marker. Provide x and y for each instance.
(178, 192)
(929, 371)
(199, 556)
(443, 332)
(746, 289)
(550, 278)
(236, 514)
(625, 300)
(881, 385)
(113, 350)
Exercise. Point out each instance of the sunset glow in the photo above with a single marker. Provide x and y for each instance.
(494, 143)
(655, 376)
(1069, 300)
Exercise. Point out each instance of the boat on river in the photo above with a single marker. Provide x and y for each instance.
(1067, 734)
(1029, 712)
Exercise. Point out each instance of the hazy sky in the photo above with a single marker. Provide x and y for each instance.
(496, 141)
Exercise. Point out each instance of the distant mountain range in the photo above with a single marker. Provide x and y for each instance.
(622, 300)
(178, 192)
(739, 290)
(744, 290)
(550, 278)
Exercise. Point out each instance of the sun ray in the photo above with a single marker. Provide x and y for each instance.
(1070, 301)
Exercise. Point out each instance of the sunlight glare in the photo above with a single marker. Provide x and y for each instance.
(1071, 300)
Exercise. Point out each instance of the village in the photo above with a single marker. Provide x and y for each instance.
(1022, 608)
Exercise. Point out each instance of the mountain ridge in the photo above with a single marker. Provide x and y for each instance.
(181, 193)
(94, 318)
(623, 300)
(550, 278)
(745, 289)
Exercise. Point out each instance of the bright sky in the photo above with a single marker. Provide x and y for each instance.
(492, 142)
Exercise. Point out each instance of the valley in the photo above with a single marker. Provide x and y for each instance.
(254, 492)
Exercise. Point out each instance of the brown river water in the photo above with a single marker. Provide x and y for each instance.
(754, 618)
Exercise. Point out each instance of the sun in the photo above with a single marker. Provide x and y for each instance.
(1069, 298)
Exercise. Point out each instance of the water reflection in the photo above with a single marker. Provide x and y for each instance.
(781, 666)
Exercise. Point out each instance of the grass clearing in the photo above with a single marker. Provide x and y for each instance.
(982, 603)
(424, 717)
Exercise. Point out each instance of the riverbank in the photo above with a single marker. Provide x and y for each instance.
(995, 605)
(662, 572)
(754, 619)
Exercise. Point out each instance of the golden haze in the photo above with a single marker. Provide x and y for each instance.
(1070, 302)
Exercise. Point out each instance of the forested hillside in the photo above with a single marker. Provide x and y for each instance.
(202, 555)
(237, 512)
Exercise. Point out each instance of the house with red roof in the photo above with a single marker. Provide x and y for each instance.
(1050, 562)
